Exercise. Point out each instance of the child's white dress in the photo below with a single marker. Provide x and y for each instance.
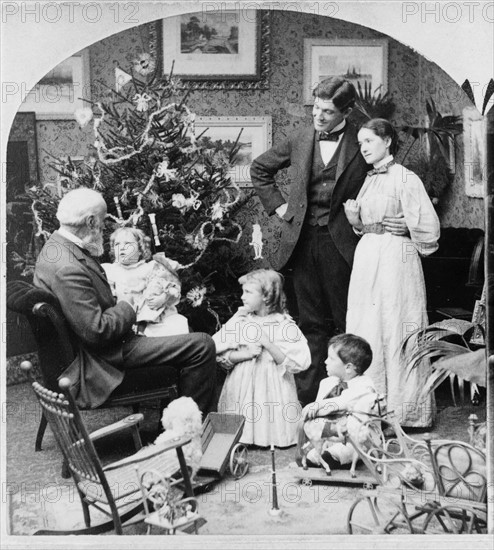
(386, 298)
(135, 280)
(261, 390)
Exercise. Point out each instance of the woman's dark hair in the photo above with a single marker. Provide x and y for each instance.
(384, 129)
(340, 91)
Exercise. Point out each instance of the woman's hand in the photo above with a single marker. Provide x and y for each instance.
(396, 225)
(352, 212)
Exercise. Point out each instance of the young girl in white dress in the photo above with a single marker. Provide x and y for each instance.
(262, 347)
(386, 297)
(153, 285)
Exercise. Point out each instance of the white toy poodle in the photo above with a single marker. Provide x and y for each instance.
(181, 418)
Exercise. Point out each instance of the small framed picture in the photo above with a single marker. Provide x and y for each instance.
(359, 61)
(61, 91)
(254, 135)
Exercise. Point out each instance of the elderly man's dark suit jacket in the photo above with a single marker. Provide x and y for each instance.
(297, 151)
(87, 302)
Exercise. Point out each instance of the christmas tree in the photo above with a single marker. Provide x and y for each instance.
(158, 175)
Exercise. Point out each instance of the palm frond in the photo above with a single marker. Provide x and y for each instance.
(467, 367)
(446, 345)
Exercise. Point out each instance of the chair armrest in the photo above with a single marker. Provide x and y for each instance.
(124, 424)
(149, 452)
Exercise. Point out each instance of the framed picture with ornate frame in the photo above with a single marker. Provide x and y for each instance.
(356, 60)
(254, 134)
(62, 90)
(215, 50)
(475, 159)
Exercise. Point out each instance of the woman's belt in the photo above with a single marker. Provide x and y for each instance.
(377, 228)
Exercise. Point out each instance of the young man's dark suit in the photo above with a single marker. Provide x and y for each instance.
(319, 294)
(108, 346)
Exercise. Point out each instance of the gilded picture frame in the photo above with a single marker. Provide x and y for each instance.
(215, 50)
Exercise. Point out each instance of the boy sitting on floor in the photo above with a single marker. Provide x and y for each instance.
(324, 422)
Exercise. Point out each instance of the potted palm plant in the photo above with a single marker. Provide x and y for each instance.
(433, 167)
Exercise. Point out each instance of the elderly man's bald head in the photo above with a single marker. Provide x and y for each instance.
(75, 207)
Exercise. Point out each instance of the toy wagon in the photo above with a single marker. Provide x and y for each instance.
(221, 449)
(430, 486)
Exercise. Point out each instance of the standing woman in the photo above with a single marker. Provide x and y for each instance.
(387, 298)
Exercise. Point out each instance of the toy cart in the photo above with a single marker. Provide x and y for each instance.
(221, 449)
(429, 486)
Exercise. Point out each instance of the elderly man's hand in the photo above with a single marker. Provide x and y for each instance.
(156, 302)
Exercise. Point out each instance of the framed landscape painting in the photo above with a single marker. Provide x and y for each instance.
(254, 134)
(359, 61)
(216, 49)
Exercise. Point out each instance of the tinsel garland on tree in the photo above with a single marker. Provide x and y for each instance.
(157, 175)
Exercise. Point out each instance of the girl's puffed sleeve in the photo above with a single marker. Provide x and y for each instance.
(420, 215)
(294, 345)
(228, 337)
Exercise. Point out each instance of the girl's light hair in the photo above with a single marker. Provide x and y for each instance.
(271, 284)
(143, 241)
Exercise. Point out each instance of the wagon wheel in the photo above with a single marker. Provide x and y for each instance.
(456, 520)
(239, 464)
(373, 515)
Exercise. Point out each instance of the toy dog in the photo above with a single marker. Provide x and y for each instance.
(181, 418)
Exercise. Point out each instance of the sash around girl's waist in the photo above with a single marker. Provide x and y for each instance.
(377, 228)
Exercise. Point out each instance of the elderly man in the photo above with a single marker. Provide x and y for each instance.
(68, 267)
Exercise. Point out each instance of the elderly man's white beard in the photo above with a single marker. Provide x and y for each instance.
(94, 243)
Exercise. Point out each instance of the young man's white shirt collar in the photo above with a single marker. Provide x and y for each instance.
(328, 148)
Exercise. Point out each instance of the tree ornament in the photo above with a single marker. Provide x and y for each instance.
(83, 116)
(256, 241)
(144, 64)
(152, 219)
(142, 102)
(121, 79)
(162, 171)
(117, 204)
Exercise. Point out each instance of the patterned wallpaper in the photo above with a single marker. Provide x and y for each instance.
(411, 78)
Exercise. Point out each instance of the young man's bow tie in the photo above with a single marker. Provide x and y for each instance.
(381, 170)
(330, 136)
